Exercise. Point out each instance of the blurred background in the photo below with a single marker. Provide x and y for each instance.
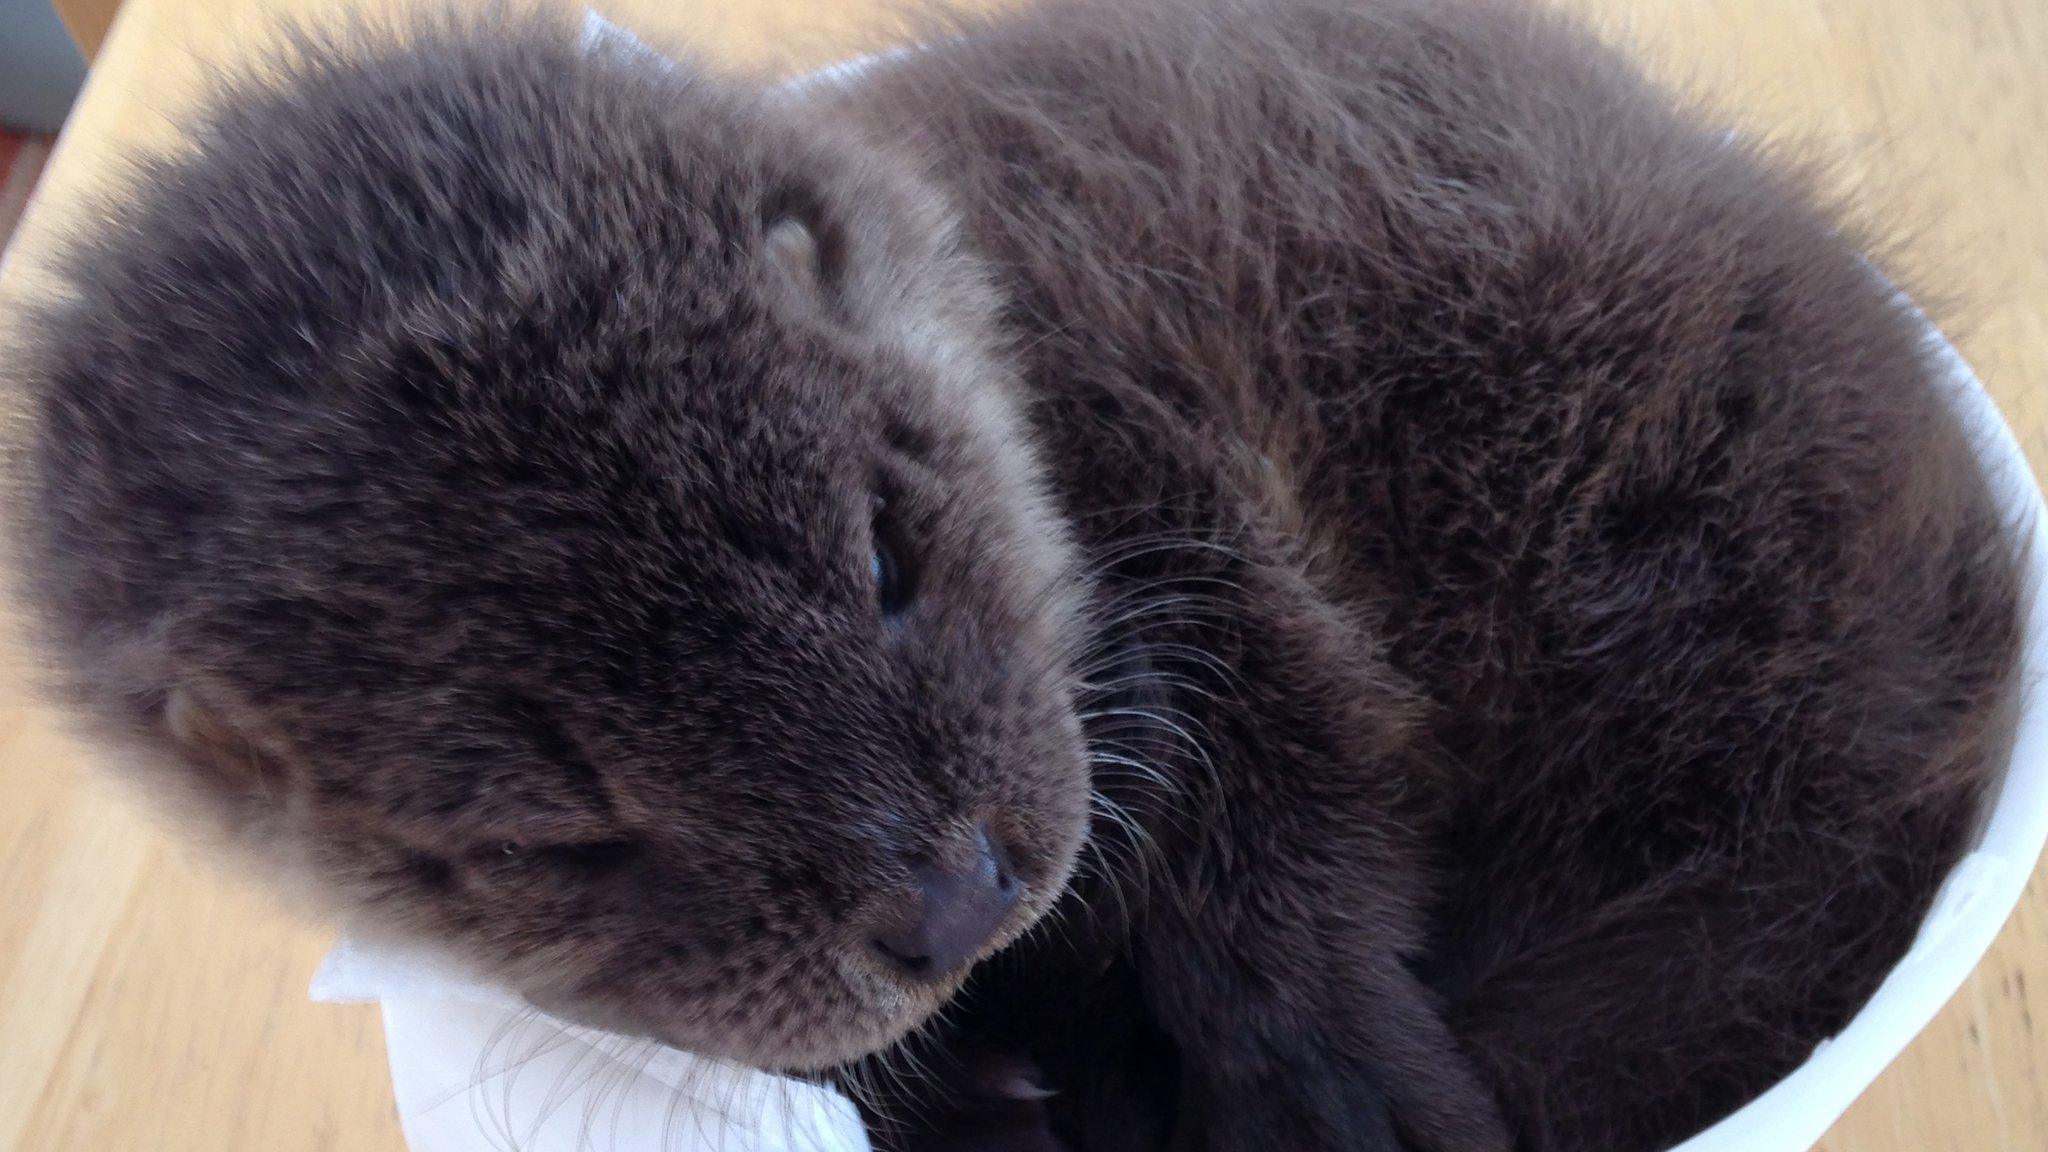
(41, 71)
(41, 66)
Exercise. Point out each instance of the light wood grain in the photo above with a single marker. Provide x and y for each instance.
(87, 21)
(149, 1002)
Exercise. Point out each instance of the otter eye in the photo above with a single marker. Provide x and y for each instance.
(888, 580)
(893, 582)
(582, 860)
(585, 861)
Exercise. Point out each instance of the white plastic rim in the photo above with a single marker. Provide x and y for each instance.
(595, 1090)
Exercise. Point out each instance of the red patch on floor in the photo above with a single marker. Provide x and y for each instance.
(21, 161)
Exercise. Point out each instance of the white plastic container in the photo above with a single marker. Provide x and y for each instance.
(475, 1071)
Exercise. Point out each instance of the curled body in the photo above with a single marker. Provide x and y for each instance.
(1489, 447)
(1322, 575)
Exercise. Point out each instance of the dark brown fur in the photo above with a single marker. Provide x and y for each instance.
(443, 476)
(1537, 630)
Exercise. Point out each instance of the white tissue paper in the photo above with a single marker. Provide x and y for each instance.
(601, 35)
(475, 1070)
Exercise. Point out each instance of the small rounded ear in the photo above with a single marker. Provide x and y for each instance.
(228, 761)
(792, 247)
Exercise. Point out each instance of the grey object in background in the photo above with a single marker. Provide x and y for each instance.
(40, 67)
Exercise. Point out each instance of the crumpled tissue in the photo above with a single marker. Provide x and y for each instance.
(475, 1069)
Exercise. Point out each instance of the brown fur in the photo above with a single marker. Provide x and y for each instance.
(1492, 549)
(448, 437)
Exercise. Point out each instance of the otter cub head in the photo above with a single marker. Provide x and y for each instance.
(571, 511)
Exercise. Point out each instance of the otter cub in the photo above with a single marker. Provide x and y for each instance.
(1445, 591)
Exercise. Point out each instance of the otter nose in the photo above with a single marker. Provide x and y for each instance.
(953, 911)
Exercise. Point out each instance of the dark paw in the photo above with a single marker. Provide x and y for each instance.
(986, 1101)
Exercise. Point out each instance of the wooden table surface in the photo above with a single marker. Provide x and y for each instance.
(147, 1001)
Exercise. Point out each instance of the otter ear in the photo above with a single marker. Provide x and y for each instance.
(792, 248)
(228, 762)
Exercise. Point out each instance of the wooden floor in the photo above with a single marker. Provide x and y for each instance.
(148, 1002)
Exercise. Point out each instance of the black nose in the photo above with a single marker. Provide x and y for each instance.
(952, 913)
